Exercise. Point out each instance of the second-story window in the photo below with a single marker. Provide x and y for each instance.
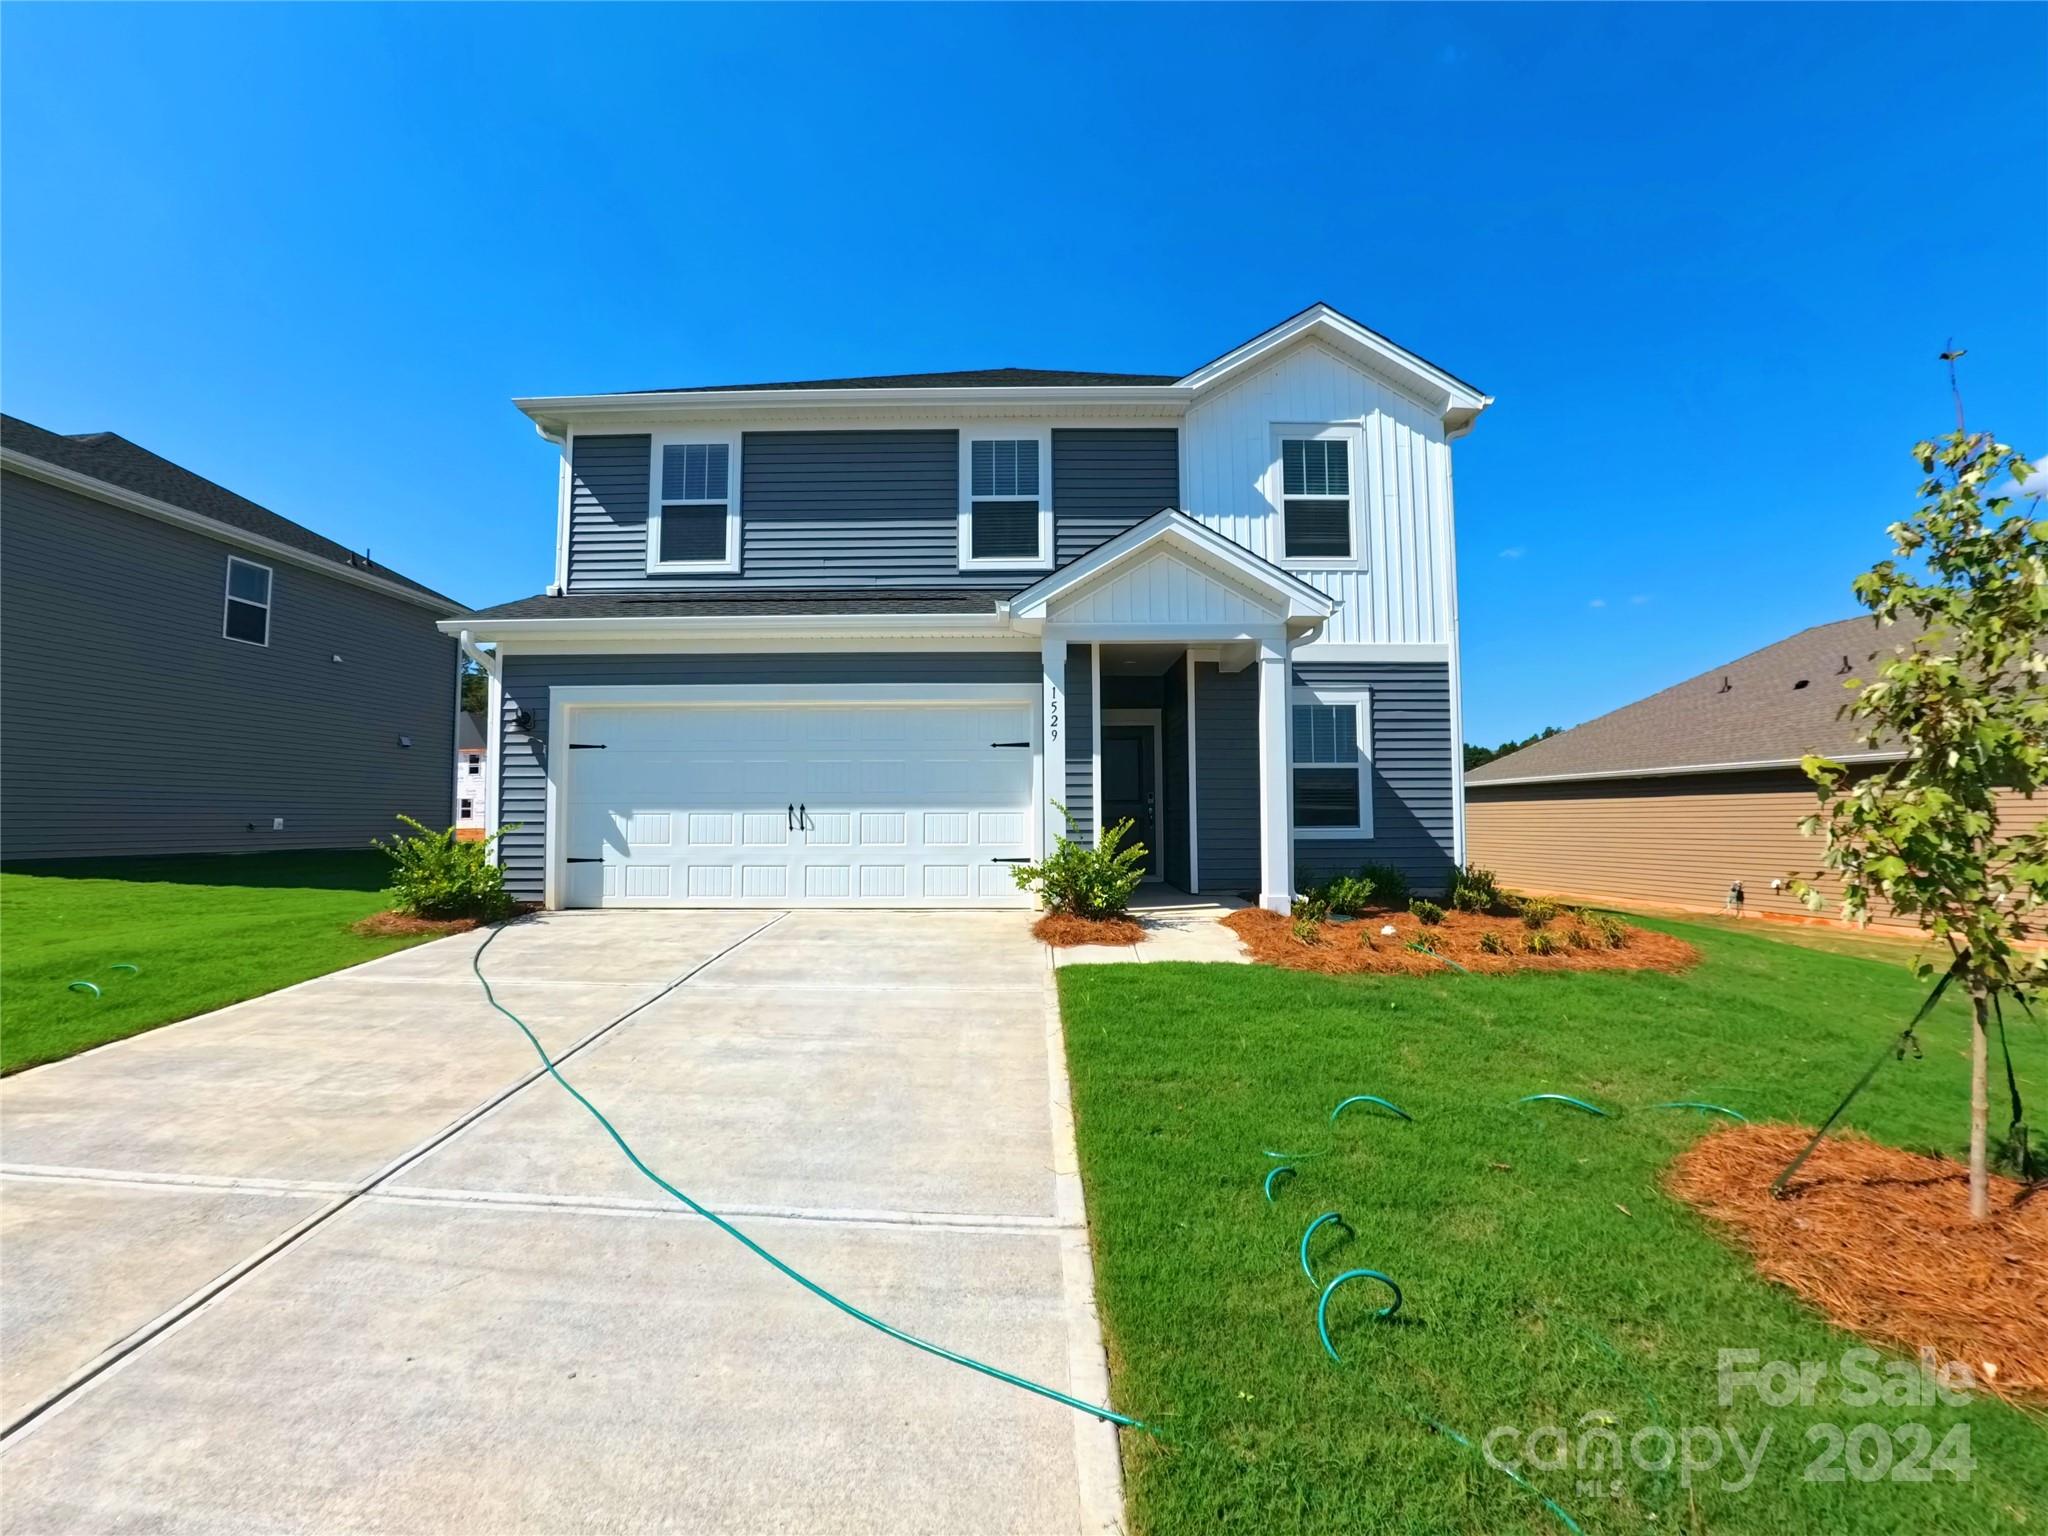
(1006, 503)
(245, 614)
(694, 522)
(1318, 495)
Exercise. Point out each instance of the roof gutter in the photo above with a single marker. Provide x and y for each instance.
(213, 528)
(1847, 759)
(474, 629)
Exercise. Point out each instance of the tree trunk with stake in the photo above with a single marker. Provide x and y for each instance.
(1980, 1105)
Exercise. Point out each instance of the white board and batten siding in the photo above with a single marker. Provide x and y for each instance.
(1397, 589)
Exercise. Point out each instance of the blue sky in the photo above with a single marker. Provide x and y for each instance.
(1703, 257)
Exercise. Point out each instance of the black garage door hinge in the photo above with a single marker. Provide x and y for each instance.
(1009, 861)
(586, 746)
(598, 860)
(1009, 743)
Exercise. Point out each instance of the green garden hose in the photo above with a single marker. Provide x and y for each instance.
(547, 1062)
(1369, 1098)
(1562, 1098)
(1326, 1217)
(1286, 1168)
(1718, 1109)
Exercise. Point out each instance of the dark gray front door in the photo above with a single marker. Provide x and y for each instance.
(1127, 785)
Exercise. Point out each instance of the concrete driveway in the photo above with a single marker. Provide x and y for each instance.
(340, 1259)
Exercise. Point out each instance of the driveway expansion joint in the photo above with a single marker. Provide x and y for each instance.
(125, 1348)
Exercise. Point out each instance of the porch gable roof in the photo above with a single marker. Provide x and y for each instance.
(1190, 544)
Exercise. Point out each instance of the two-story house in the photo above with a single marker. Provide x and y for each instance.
(855, 642)
(186, 671)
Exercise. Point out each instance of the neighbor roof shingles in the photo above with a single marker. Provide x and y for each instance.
(109, 457)
(1762, 716)
(730, 605)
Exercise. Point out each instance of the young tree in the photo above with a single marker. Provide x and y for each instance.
(1966, 700)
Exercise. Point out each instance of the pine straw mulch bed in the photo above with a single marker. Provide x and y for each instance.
(394, 925)
(1063, 931)
(1358, 947)
(1882, 1242)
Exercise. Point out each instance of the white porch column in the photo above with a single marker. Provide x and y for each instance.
(1053, 733)
(1276, 818)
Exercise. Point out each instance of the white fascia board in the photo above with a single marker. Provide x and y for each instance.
(1174, 529)
(552, 413)
(213, 528)
(1452, 397)
(1847, 760)
(822, 626)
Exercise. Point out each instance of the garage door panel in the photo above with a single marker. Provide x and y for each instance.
(910, 804)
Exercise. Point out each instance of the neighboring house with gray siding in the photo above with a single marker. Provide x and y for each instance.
(184, 671)
(857, 641)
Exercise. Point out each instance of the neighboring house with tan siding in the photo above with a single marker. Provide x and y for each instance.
(1672, 799)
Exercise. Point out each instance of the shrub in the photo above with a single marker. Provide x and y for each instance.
(1579, 936)
(435, 876)
(1492, 943)
(1613, 932)
(1536, 913)
(1474, 889)
(1078, 881)
(1427, 913)
(1308, 929)
(1541, 943)
(1388, 883)
(1348, 894)
(1311, 907)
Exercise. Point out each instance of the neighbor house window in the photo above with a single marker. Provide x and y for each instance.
(1332, 764)
(694, 522)
(466, 807)
(1006, 508)
(475, 765)
(247, 613)
(1317, 494)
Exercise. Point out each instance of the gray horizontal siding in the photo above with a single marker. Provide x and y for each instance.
(522, 761)
(1081, 741)
(128, 725)
(1227, 778)
(1108, 479)
(858, 509)
(1412, 762)
(608, 489)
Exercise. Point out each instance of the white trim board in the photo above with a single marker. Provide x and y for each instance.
(1849, 759)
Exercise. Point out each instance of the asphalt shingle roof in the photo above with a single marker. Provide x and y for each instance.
(730, 605)
(109, 457)
(1771, 706)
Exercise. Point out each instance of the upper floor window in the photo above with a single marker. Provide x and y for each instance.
(246, 615)
(1005, 502)
(1318, 495)
(1332, 763)
(476, 765)
(694, 522)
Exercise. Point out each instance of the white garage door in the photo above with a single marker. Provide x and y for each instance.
(890, 805)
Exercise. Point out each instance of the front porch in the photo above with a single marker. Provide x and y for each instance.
(1167, 691)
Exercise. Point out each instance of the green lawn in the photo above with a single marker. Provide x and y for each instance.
(203, 932)
(1520, 1235)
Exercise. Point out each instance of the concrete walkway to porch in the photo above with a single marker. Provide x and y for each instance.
(1177, 927)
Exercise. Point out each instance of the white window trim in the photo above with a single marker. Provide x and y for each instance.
(227, 595)
(1276, 488)
(730, 563)
(1304, 693)
(987, 432)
